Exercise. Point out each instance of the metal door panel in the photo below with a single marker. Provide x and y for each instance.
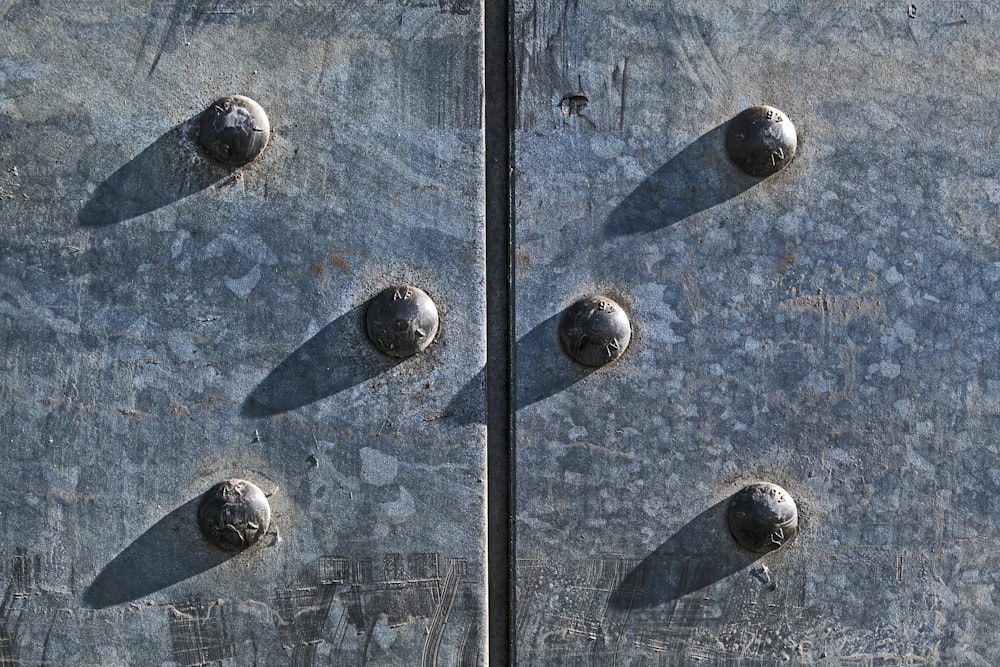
(831, 329)
(168, 323)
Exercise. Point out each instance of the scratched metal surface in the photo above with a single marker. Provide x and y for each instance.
(833, 329)
(167, 323)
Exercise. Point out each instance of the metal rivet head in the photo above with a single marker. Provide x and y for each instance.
(594, 331)
(234, 514)
(402, 320)
(762, 517)
(761, 140)
(234, 130)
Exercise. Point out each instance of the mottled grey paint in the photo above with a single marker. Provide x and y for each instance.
(168, 323)
(832, 329)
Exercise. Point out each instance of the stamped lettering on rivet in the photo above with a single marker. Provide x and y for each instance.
(760, 141)
(762, 517)
(594, 331)
(234, 514)
(234, 130)
(401, 320)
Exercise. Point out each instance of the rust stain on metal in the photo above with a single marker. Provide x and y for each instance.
(338, 261)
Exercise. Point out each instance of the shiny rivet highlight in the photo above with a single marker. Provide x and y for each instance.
(234, 514)
(401, 320)
(594, 331)
(234, 130)
(762, 517)
(761, 140)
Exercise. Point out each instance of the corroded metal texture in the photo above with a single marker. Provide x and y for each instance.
(832, 328)
(168, 322)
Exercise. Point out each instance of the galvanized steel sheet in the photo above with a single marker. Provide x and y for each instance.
(169, 322)
(832, 329)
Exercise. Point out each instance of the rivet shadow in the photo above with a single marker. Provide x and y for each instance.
(541, 370)
(698, 178)
(171, 551)
(335, 359)
(698, 555)
(158, 176)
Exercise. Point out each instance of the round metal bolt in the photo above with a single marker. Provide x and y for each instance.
(594, 331)
(402, 320)
(761, 140)
(234, 514)
(762, 517)
(234, 130)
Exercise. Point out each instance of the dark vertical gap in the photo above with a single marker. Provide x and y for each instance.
(499, 351)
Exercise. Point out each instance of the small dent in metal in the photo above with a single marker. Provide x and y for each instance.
(573, 103)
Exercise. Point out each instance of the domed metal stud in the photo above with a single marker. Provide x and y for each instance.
(762, 517)
(594, 331)
(401, 320)
(234, 514)
(234, 130)
(761, 140)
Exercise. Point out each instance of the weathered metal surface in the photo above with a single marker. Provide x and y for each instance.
(832, 328)
(168, 323)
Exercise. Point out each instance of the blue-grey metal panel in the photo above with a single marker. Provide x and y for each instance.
(832, 329)
(168, 323)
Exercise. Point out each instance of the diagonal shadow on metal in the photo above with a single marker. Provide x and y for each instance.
(163, 173)
(698, 178)
(698, 555)
(542, 370)
(171, 551)
(335, 359)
